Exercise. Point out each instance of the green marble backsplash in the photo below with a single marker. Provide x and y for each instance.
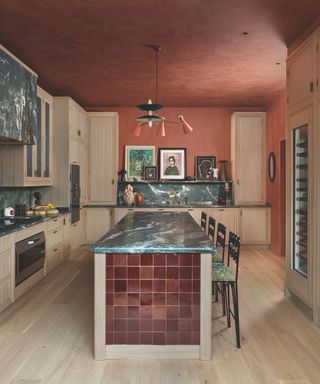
(179, 193)
(9, 197)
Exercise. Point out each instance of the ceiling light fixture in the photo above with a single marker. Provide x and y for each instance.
(151, 118)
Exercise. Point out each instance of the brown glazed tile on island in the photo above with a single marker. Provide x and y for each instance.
(153, 299)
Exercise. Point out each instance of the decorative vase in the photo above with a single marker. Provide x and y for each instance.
(128, 195)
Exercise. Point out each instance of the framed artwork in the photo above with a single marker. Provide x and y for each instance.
(150, 173)
(136, 158)
(204, 167)
(172, 163)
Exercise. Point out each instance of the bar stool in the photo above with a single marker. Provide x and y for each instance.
(211, 228)
(203, 222)
(218, 261)
(227, 277)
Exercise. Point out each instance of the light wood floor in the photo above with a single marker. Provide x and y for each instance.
(47, 335)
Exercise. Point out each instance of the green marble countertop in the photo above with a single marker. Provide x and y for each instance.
(155, 232)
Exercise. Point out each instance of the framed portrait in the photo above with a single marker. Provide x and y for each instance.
(138, 157)
(172, 163)
(204, 167)
(150, 173)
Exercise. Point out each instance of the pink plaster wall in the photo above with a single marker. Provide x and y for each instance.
(211, 134)
(276, 128)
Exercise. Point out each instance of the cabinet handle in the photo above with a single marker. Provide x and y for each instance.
(112, 182)
(74, 225)
(190, 210)
(79, 132)
(221, 210)
(55, 231)
(55, 219)
(240, 212)
(311, 86)
(55, 250)
(238, 181)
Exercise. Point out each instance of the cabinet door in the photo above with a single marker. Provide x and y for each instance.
(83, 172)
(98, 222)
(254, 225)
(119, 213)
(226, 216)
(6, 272)
(38, 158)
(301, 74)
(66, 235)
(102, 157)
(248, 157)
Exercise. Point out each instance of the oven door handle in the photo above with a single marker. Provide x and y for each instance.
(31, 242)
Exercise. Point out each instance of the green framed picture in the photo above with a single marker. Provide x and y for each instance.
(137, 158)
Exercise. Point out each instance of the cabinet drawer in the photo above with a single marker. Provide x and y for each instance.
(54, 237)
(5, 264)
(54, 223)
(54, 257)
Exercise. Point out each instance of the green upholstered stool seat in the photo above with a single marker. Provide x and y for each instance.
(217, 258)
(222, 273)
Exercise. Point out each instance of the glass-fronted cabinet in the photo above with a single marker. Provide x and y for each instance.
(300, 200)
(38, 157)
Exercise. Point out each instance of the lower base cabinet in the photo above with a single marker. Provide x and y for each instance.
(254, 225)
(54, 244)
(6, 271)
(98, 222)
(66, 235)
(226, 216)
(77, 232)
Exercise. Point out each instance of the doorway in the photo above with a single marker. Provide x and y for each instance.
(283, 197)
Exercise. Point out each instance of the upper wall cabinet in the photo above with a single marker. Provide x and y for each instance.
(30, 165)
(248, 157)
(301, 78)
(103, 138)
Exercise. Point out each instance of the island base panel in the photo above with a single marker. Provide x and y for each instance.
(153, 299)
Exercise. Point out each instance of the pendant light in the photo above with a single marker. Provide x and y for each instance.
(151, 108)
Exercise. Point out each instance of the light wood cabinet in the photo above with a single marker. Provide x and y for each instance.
(6, 271)
(301, 81)
(77, 232)
(254, 225)
(226, 216)
(54, 244)
(248, 157)
(119, 213)
(69, 146)
(31, 165)
(98, 222)
(103, 144)
(66, 235)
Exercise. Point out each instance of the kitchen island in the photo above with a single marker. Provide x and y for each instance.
(152, 290)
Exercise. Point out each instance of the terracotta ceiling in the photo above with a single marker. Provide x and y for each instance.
(214, 52)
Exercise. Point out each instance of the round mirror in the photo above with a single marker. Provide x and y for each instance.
(272, 166)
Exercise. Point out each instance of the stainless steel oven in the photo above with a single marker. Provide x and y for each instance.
(30, 256)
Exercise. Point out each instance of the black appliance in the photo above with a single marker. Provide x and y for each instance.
(30, 256)
(75, 192)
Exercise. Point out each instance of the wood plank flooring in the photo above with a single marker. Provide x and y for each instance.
(46, 337)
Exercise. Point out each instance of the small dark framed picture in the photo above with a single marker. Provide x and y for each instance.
(150, 173)
(204, 167)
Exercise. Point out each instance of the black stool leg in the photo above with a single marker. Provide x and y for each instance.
(227, 298)
(236, 312)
